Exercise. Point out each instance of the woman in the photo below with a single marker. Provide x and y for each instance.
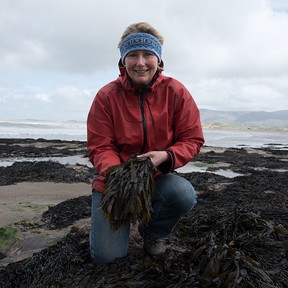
(147, 113)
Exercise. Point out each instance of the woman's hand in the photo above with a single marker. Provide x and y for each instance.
(157, 157)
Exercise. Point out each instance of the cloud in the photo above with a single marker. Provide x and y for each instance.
(240, 39)
(230, 54)
(57, 104)
(242, 94)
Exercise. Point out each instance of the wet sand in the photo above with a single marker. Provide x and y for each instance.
(27, 200)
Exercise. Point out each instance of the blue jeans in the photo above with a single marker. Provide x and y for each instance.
(174, 197)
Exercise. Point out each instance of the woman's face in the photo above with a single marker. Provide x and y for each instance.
(141, 66)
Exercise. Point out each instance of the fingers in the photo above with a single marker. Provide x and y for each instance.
(157, 157)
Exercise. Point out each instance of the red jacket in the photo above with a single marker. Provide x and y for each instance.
(124, 120)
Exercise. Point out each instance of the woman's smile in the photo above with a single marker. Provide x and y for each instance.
(141, 66)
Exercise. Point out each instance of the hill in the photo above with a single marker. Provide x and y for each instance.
(257, 119)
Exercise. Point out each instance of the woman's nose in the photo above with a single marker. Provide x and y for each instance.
(141, 60)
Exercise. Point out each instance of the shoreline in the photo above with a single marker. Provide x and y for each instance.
(56, 197)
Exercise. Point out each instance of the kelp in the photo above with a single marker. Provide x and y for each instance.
(130, 187)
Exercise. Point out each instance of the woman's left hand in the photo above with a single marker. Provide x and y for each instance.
(157, 157)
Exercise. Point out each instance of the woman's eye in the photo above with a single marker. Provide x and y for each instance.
(131, 55)
(147, 55)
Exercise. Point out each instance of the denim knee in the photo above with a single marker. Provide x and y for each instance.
(177, 190)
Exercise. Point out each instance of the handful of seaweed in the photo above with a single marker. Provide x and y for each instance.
(130, 187)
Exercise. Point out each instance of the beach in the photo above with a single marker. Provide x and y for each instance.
(26, 200)
(236, 235)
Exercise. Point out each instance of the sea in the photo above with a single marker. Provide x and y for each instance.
(76, 130)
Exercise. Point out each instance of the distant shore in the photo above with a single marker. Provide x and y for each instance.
(243, 127)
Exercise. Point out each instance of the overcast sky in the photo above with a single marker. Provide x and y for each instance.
(56, 54)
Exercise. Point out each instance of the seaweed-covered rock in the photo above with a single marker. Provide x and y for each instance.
(47, 268)
(44, 171)
(236, 236)
(66, 213)
(32, 148)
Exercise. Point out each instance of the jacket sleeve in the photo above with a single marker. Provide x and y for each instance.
(188, 134)
(102, 150)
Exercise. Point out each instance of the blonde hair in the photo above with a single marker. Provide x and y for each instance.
(141, 27)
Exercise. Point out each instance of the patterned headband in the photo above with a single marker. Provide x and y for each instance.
(140, 41)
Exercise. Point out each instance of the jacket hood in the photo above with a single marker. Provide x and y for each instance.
(127, 83)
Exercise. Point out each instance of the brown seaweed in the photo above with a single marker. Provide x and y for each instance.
(236, 236)
(130, 187)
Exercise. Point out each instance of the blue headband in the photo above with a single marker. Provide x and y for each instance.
(140, 41)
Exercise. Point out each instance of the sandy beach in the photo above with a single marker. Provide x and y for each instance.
(27, 200)
(236, 236)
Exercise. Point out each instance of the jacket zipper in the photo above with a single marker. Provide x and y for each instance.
(143, 120)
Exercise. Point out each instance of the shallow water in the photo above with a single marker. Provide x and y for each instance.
(193, 167)
(72, 160)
